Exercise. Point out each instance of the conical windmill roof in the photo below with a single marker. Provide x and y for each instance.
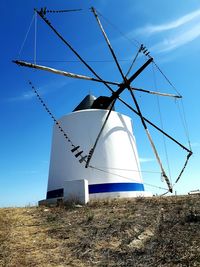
(86, 103)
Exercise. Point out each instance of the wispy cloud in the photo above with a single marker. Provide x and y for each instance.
(151, 29)
(178, 40)
(145, 160)
(29, 95)
(24, 96)
(179, 32)
(195, 144)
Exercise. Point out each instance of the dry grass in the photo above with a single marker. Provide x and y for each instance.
(138, 232)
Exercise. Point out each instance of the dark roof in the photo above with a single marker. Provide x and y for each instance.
(86, 103)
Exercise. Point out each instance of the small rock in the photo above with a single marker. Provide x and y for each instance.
(78, 206)
(46, 210)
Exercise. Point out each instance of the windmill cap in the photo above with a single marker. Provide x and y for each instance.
(86, 103)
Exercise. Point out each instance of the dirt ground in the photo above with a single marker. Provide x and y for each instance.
(137, 232)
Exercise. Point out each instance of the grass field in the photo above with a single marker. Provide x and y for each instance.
(131, 232)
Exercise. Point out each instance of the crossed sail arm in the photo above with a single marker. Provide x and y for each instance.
(60, 72)
(84, 77)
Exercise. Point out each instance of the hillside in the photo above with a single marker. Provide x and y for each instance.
(139, 232)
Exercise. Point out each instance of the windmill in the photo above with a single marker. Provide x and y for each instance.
(85, 157)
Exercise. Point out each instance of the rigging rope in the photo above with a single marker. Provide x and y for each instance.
(75, 149)
(164, 193)
(44, 10)
(139, 50)
(167, 79)
(130, 170)
(133, 41)
(161, 122)
(186, 125)
(26, 35)
(35, 41)
(184, 122)
(101, 170)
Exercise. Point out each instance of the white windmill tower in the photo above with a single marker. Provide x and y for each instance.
(114, 169)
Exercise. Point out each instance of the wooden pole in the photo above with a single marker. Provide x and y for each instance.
(60, 72)
(155, 93)
(108, 43)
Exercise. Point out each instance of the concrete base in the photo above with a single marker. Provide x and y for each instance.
(77, 191)
(51, 201)
(121, 195)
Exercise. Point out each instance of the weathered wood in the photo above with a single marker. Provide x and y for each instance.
(155, 93)
(164, 175)
(108, 43)
(61, 72)
(127, 83)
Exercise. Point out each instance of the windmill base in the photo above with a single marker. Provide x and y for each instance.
(76, 191)
(120, 195)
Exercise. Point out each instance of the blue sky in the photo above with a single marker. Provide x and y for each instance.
(170, 30)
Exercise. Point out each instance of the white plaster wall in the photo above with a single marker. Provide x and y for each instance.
(115, 156)
(76, 190)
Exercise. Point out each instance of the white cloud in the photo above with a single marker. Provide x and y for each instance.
(151, 29)
(28, 95)
(178, 40)
(145, 160)
(195, 144)
(49, 87)
(178, 32)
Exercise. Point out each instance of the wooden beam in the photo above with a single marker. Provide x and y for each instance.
(108, 43)
(60, 72)
(155, 93)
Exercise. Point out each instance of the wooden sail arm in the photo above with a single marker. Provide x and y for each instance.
(60, 72)
(151, 141)
(184, 166)
(108, 43)
(155, 93)
(127, 83)
(91, 152)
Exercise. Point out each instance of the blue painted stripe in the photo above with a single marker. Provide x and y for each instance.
(115, 187)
